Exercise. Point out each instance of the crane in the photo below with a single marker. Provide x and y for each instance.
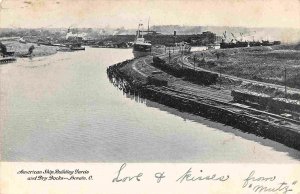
(224, 35)
(241, 34)
(233, 37)
(250, 34)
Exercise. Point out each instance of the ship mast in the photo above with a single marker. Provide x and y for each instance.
(148, 24)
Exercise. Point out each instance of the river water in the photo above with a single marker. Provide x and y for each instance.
(63, 108)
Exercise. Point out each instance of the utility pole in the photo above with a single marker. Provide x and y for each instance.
(194, 62)
(285, 90)
(220, 80)
(148, 25)
(169, 56)
(174, 37)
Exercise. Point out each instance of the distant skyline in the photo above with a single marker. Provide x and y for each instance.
(121, 13)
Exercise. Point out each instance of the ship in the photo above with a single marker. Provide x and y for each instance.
(255, 43)
(74, 42)
(76, 47)
(224, 44)
(140, 46)
(234, 43)
(268, 43)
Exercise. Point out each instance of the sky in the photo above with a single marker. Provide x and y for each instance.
(123, 13)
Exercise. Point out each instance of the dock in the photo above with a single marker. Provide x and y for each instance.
(186, 91)
(7, 60)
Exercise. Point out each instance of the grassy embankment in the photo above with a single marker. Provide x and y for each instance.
(21, 49)
(265, 64)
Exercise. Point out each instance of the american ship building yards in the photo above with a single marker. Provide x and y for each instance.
(252, 85)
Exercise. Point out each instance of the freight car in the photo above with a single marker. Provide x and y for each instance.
(276, 105)
(282, 104)
(254, 99)
(171, 68)
(190, 74)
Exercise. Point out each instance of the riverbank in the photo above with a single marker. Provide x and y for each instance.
(185, 92)
(21, 49)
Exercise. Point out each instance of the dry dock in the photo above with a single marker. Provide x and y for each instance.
(196, 92)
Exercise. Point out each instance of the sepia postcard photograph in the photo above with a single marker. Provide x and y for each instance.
(120, 83)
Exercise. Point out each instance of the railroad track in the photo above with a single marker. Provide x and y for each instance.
(205, 91)
(185, 62)
(187, 87)
(148, 60)
(216, 97)
(216, 105)
(234, 107)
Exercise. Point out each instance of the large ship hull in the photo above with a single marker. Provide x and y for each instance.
(233, 45)
(138, 54)
(140, 50)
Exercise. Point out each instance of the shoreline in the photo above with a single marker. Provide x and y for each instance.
(21, 49)
(249, 120)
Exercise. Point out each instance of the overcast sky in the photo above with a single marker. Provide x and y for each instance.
(99, 13)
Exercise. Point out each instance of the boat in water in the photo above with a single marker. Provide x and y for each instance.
(71, 47)
(76, 47)
(73, 42)
(140, 46)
